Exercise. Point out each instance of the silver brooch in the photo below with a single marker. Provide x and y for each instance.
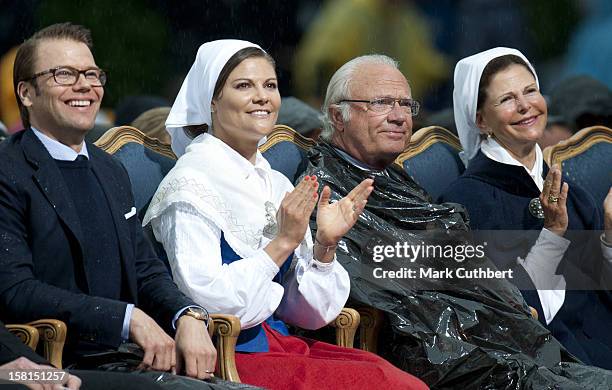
(535, 208)
(271, 229)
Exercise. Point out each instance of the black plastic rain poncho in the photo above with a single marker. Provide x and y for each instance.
(454, 333)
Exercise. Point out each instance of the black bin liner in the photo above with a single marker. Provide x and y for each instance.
(453, 333)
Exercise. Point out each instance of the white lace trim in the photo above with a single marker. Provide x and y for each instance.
(187, 189)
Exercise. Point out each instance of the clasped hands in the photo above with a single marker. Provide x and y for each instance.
(191, 352)
(334, 220)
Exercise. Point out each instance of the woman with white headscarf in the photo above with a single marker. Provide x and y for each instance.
(500, 114)
(236, 231)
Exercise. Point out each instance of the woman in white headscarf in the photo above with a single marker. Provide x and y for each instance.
(500, 114)
(236, 231)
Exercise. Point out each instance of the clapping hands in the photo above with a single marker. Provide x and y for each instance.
(334, 220)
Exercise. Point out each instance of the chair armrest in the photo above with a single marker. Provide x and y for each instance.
(26, 333)
(371, 322)
(227, 328)
(53, 334)
(346, 326)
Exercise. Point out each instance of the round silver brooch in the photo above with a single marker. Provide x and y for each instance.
(271, 229)
(535, 208)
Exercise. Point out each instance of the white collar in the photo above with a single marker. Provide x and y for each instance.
(493, 150)
(58, 150)
(243, 166)
(226, 188)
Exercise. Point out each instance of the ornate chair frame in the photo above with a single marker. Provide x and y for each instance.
(424, 138)
(51, 332)
(577, 144)
(285, 133)
(26, 333)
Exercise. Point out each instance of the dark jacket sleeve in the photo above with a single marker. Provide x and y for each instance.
(25, 296)
(158, 296)
(12, 348)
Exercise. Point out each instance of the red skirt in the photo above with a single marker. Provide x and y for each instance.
(300, 363)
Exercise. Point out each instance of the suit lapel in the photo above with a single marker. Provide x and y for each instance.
(51, 183)
(111, 187)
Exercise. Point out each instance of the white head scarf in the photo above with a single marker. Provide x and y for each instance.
(465, 95)
(192, 104)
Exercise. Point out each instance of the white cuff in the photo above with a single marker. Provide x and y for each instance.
(322, 267)
(268, 266)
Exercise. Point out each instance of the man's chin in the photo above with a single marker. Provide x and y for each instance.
(79, 128)
(396, 145)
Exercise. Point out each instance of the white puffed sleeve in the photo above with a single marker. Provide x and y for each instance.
(315, 292)
(243, 288)
(541, 264)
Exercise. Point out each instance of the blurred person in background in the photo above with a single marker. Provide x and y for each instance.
(576, 103)
(9, 112)
(153, 123)
(589, 51)
(300, 117)
(345, 29)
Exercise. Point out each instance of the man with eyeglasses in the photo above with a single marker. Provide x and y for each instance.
(449, 331)
(368, 110)
(72, 246)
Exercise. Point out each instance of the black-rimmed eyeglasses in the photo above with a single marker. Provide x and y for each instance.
(67, 75)
(386, 104)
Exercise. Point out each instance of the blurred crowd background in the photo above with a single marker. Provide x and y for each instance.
(147, 46)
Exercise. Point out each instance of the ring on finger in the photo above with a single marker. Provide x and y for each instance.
(553, 199)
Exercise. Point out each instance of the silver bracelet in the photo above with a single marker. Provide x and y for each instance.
(327, 248)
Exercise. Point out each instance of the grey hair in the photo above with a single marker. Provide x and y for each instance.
(339, 88)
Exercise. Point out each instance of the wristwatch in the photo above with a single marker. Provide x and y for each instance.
(198, 313)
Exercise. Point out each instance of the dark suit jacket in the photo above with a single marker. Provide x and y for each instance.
(12, 348)
(42, 270)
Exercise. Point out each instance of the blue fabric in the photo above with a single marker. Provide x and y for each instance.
(435, 167)
(497, 197)
(591, 170)
(146, 169)
(254, 339)
(287, 158)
